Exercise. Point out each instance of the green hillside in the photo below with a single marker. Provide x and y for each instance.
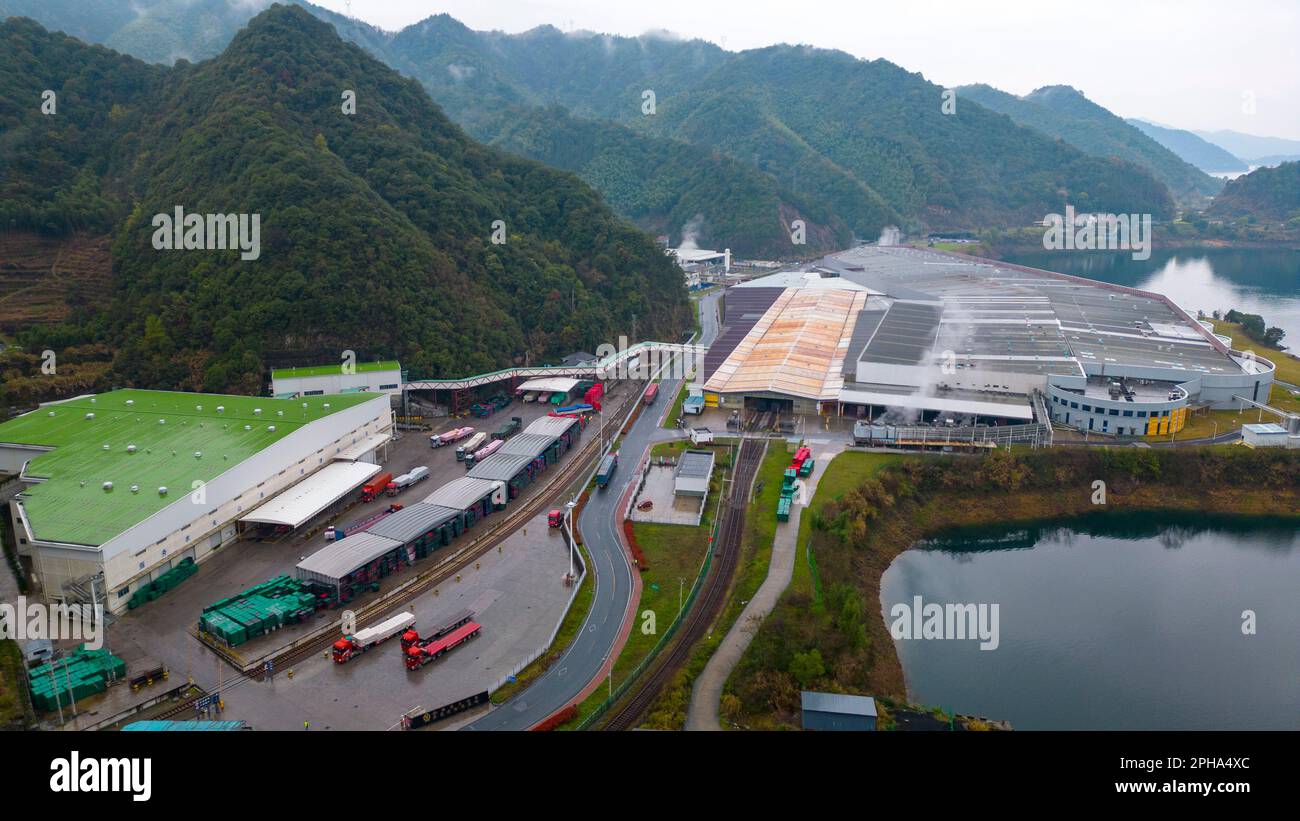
(376, 228)
(1064, 113)
(1265, 194)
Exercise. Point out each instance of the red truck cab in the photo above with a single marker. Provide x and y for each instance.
(555, 518)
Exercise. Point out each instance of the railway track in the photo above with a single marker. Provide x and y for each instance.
(625, 715)
(568, 473)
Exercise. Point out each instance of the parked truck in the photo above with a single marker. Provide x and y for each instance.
(406, 480)
(484, 452)
(371, 489)
(335, 532)
(424, 652)
(475, 442)
(449, 436)
(348, 647)
(509, 428)
(606, 471)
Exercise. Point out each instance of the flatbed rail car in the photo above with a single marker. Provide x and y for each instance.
(418, 655)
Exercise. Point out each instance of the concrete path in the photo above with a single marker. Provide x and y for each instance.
(707, 691)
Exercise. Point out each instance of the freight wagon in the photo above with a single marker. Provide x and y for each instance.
(418, 655)
(348, 647)
(475, 442)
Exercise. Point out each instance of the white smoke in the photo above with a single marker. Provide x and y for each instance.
(889, 235)
(691, 233)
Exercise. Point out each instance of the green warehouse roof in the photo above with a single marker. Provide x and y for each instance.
(166, 428)
(330, 370)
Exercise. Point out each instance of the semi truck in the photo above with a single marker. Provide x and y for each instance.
(606, 471)
(475, 442)
(652, 393)
(449, 436)
(508, 429)
(406, 480)
(484, 452)
(424, 652)
(348, 647)
(371, 489)
(334, 532)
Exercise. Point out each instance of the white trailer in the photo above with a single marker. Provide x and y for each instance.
(363, 640)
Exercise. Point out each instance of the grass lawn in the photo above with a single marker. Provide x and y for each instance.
(670, 421)
(845, 472)
(1288, 366)
(669, 710)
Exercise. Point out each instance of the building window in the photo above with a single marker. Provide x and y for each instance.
(1142, 414)
(1128, 413)
(391, 387)
(1114, 412)
(1074, 406)
(1088, 408)
(124, 591)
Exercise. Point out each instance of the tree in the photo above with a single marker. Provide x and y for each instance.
(807, 667)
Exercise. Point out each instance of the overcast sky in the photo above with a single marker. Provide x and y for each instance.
(1192, 64)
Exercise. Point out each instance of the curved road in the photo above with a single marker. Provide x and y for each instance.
(560, 686)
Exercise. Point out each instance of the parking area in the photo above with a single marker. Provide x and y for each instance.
(517, 593)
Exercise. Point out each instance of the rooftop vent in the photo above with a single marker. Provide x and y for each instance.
(135, 488)
(221, 408)
(130, 448)
(198, 454)
(130, 402)
(108, 486)
(162, 491)
(271, 428)
(90, 416)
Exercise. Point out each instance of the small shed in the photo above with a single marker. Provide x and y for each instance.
(692, 473)
(835, 711)
(1268, 435)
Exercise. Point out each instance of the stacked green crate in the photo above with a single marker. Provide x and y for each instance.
(787, 495)
(151, 590)
(82, 673)
(806, 469)
(261, 609)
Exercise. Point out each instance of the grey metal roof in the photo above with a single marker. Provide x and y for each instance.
(551, 426)
(838, 703)
(412, 521)
(695, 464)
(461, 494)
(526, 444)
(744, 307)
(864, 327)
(501, 466)
(344, 556)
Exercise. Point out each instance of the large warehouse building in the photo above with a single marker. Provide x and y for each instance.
(119, 487)
(910, 335)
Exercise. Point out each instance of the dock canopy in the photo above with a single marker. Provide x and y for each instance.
(362, 448)
(412, 521)
(463, 493)
(549, 384)
(331, 564)
(300, 503)
(1017, 409)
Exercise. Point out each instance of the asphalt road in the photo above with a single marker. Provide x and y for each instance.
(560, 685)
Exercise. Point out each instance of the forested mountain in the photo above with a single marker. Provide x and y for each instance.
(1066, 114)
(376, 227)
(1266, 194)
(1205, 155)
(816, 133)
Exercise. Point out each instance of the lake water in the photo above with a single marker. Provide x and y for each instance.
(1260, 281)
(1113, 621)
